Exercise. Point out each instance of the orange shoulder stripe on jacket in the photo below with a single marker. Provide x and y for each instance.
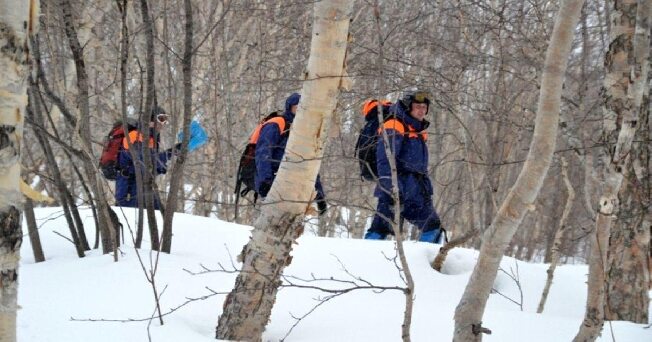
(395, 125)
(279, 120)
(255, 134)
(135, 137)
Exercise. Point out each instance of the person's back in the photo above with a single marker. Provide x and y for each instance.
(270, 148)
(271, 143)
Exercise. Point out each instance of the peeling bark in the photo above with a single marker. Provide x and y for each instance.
(248, 307)
(628, 274)
(626, 67)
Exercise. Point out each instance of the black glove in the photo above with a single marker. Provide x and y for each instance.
(322, 206)
(264, 189)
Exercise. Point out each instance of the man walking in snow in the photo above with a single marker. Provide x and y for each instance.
(270, 148)
(406, 132)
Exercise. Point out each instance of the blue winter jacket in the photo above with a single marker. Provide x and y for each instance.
(271, 147)
(160, 159)
(411, 152)
(126, 190)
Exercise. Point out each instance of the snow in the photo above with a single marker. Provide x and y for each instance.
(60, 295)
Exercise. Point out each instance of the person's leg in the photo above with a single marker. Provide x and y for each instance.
(123, 192)
(131, 199)
(380, 226)
(423, 215)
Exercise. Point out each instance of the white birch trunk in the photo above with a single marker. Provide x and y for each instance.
(624, 84)
(248, 307)
(469, 312)
(18, 20)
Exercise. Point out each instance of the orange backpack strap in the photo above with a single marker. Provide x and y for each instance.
(368, 106)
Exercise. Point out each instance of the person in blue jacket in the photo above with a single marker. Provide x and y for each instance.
(270, 148)
(126, 188)
(407, 136)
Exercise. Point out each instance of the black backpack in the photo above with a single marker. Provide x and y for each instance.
(247, 168)
(365, 147)
(112, 146)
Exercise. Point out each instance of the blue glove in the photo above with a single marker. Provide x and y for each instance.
(198, 136)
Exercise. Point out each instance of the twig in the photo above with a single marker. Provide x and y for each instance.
(65, 237)
(299, 319)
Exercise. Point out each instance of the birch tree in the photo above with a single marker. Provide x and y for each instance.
(628, 272)
(468, 315)
(18, 20)
(626, 67)
(248, 307)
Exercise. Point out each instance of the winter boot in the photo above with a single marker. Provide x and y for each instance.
(374, 236)
(432, 236)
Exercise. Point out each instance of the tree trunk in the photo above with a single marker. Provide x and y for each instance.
(32, 229)
(248, 307)
(147, 185)
(33, 113)
(626, 67)
(627, 270)
(176, 179)
(469, 312)
(559, 235)
(18, 21)
(84, 130)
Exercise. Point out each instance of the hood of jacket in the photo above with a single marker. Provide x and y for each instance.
(292, 100)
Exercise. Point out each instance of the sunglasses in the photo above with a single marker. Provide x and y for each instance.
(162, 118)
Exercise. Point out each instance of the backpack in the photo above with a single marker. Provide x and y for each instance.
(247, 168)
(365, 147)
(112, 145)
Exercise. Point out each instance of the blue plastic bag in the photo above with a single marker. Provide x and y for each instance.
(198, 136)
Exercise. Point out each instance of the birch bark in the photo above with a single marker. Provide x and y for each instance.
(248, 307)
(624, 84)
(468, 315)
(18, 20)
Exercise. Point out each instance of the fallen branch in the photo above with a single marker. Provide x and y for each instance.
(458, 241)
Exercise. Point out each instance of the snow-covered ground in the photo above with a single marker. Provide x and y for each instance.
(94, 298)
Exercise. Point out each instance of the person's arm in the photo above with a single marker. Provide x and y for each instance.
(268, 139)
(125, 163)
(395, 138)
(161, 160)
(320, 198)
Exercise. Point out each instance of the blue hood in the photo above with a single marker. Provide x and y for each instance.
(292, 100)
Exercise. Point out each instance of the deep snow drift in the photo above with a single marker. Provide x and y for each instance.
(55, 295)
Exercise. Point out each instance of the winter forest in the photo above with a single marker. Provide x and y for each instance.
(538, 150)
